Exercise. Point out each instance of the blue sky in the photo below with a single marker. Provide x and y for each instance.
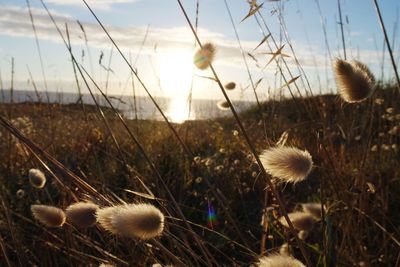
(165, 61)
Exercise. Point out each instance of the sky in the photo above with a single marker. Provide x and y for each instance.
(155, 37)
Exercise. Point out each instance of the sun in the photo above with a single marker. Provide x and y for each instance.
(175, 73)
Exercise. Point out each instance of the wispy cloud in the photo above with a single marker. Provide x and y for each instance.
(15, 21)
(101, 4)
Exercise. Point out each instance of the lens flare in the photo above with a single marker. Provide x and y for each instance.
(211, 217)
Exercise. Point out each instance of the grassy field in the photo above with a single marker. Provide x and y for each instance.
(356, 176)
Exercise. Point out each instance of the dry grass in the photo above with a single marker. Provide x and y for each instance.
(356, 178)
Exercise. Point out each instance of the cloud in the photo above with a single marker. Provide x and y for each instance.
(15, 21)
(101, 4)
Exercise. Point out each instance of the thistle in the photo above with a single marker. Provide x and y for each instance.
(48, 215)
(37, 178)
(134, 220)
(204, 56)
(355, 80)
(288, 164)
(301, 221)
(278, 260)
(82, 214)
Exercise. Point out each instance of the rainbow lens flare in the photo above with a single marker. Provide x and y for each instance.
(211, 217)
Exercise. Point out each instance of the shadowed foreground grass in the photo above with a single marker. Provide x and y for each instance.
(356, 174)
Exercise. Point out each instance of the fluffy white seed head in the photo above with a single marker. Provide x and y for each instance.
(37, 178)
(284, 249)
(82, 214)
(301, 221)
(313, 208)
(105, 217)
(48, 215)
(302, 235)
(134, 220)
(20, 193)
(204, 56)
(288, 164)
(278, 260)
(355, 81)
(223, 105)
(230, 86)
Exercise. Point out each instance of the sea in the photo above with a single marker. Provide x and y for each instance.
(139, 107)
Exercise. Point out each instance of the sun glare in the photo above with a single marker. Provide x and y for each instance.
(175, 72)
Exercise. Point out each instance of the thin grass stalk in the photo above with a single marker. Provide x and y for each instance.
(203, 228)
(341, 29)
(37, 45)
(109, 68)
(197, 257)
(134, 102)
(193, 258)
(204, 249)
(177, 261)
(36, 149)
(322, 19)
(102, 115)
(378, 11)
(251, 146)
(246, 65)
(322, 199)
(192, 78)
(185, 147)
(80, 97)
(137, 77)
(303, 75)
(12, 82)
(264, 226)
(132, 75)
(109, 128)
(87, 46)
(276, 60)
(302, 72)
(64, 187)
(150, 163)
(39, 99)
(3, 249)
(242, 53)
(7, 218)
(3, 96)
(86, 240)
(392, 237)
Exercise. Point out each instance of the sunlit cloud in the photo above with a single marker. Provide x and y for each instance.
(101, 4)
(166, 42)
(15, 22)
